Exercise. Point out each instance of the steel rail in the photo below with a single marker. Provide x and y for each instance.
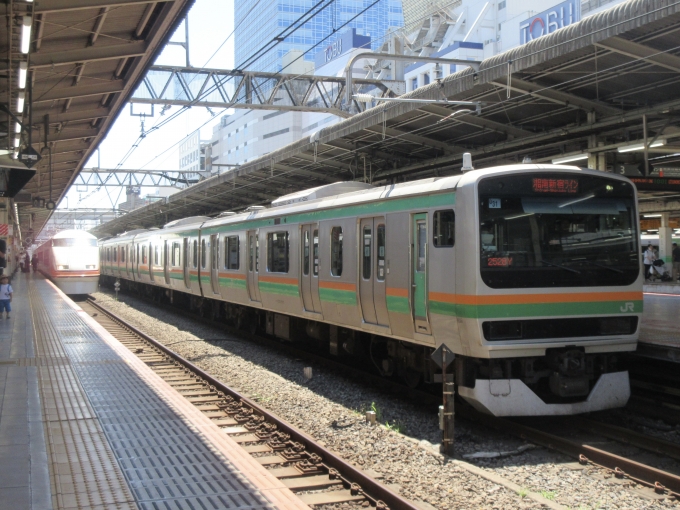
(660, 481)
(380, 495)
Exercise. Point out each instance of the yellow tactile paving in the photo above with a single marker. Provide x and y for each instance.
(83, 470)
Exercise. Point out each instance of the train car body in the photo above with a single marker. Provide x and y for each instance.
(71, 260)
(530, 274)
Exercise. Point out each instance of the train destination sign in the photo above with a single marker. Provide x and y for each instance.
(541, 185)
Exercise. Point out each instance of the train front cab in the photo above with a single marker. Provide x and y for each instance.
(555, 296)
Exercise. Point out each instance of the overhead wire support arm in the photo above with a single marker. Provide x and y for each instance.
(349, 68)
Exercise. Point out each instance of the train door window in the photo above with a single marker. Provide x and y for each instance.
(277, 252)
(380, 240)
(115, 254)
(122, 253)
(231, 253)
(215, 251)
(444, 228)
(315, 252)
(144, 257)
(366, 256)
(305, 258)
(203, 253)
(422, 243)
(194, 252)
(157, 255)
(336, 251)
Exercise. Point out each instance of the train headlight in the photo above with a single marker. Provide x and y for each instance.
(61, 268)
(91, 267)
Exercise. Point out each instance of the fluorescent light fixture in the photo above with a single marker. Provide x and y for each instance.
(23, 73)
(4, 152)
(17, 142)
(570, 158)
(17, 128)
(651, 216)
(640, 146)
(26, 34)
(20, 102)
(367, 98)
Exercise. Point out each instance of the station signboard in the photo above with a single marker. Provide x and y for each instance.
(548, 21)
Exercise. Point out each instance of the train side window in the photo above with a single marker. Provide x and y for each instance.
(380, 240)
(144, 257)
(336, 251)
(122, 253)
(194, 252)
(231, 253)
(444, 228)
(115, 254)
(157, 255)
(277, 252)
(315, 252)
(215, 257)
(203, 257)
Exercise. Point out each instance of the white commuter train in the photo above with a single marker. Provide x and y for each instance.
(530, 274)
(71, 260)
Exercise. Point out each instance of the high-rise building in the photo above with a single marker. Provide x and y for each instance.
(259, 23)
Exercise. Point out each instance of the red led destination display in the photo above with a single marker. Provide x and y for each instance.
(541, 185)
(499, 261)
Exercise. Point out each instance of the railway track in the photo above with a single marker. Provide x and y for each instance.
(317, 476)
(662, 482)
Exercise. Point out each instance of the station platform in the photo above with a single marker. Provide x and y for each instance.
(85, 424)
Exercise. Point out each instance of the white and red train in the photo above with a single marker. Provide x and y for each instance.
(71, 260)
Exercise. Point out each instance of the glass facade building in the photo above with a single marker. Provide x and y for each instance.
(257, 24)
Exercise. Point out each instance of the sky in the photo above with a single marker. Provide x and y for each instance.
(210, 23)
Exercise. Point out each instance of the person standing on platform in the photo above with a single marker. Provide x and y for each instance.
(5, 295)
(27, 263)
(649, 258)
(676, 262)
(34, 262)
(21, 263)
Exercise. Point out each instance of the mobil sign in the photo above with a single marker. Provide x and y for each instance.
(547, 22)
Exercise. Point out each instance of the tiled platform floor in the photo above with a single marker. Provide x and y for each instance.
(85, 424)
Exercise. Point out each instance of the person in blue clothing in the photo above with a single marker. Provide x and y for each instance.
(5, 295)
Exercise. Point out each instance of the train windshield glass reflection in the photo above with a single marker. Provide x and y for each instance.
(530, 238)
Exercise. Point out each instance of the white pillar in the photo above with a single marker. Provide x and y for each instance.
(666, 239)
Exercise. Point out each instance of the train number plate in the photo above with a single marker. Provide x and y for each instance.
(494, 203)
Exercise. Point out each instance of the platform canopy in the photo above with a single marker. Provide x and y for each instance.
(85, 58)
(590, 89)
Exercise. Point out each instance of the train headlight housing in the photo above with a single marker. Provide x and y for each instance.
(61, 268)
(91, 267)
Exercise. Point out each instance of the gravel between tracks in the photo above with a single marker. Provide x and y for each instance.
(330, 408)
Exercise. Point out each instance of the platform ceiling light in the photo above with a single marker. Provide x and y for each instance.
(640, 146)
(651, 216)
(26, 34)
(17, 128)
(23, 73)
(20, 102)
(17, 142)
(367, 98)
(570, 158)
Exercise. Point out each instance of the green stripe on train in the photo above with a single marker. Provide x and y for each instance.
(232, 283)
(369, 209)
(398, 304)
(285, 289)
(341, 297)
(535, 309)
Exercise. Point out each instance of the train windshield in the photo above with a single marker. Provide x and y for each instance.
(557, 230)
(74, 242)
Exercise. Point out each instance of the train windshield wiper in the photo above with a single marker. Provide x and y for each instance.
(561, 267)
(602, 266)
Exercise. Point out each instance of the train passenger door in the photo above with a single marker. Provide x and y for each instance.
(253, 265)
(151, 259)
(185, 259)
(166, 262)
(309, 275)
(419, 273)
(215, 263)
(372, 271)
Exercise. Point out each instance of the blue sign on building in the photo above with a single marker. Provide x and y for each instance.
(348, 40)
(547, 22)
